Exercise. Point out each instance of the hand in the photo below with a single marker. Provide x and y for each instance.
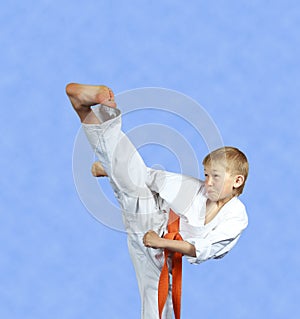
(151, 239)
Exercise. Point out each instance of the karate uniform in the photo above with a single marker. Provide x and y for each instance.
(146, 196)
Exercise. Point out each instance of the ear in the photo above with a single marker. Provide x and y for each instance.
(238, 181)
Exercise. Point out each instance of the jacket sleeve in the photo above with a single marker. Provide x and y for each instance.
(220, 240)
(177, 190)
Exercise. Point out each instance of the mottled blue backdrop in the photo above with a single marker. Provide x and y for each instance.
(238, 59)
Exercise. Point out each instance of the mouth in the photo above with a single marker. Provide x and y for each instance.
(210, 191)
(212, 194)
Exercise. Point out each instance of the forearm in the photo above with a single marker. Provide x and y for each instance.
(152, 240)
(179, 246)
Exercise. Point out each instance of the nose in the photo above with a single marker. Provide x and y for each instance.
(208, 181)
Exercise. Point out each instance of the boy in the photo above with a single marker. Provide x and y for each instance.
(211, 215)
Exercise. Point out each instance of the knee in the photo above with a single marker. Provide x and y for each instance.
(98, 170)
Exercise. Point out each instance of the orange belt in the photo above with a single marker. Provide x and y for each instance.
(163, 285)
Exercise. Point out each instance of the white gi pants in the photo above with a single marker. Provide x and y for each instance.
(140, 206)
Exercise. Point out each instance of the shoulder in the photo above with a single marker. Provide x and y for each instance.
(236, 209)
(235, 204)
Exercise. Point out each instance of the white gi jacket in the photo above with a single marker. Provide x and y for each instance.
(186, 196)
(146, 195)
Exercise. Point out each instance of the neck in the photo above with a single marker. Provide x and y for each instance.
(223, 201)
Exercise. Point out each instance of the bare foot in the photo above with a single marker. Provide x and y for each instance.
(98, 170)
(82, 95)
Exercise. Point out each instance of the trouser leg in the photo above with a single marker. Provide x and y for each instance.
(126, 170)
(147, 263)
(128, 173)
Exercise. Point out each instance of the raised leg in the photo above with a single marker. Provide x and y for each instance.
(128, 176)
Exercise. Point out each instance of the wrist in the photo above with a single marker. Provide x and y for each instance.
(161, 243)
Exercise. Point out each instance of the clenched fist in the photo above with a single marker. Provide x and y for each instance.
(152, 240)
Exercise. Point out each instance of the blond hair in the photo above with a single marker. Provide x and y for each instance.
(235, 161)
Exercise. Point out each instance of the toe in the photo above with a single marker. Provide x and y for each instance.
(111, 94)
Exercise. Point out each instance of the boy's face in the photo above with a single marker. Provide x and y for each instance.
(220, 183)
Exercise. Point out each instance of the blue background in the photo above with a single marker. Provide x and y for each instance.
(239, 59)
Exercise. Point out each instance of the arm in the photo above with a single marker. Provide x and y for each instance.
(152, 240)
(218, 241)
(177, 190)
